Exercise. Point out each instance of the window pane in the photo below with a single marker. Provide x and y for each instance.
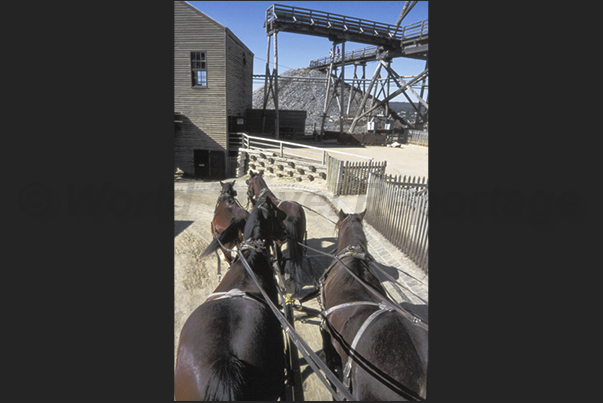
(202, 65)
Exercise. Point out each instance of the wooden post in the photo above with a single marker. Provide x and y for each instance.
(366, 94)
(339, 179)
(324, 112)
(266, 89)
(276, 119)
(342, 85)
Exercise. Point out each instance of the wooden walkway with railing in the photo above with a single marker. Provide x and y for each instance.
(319, 23)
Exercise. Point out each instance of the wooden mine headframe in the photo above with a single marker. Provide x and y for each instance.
(389, 41)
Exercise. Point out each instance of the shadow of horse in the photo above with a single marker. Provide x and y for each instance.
(180, 226)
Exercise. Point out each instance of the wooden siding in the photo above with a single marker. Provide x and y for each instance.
(203, 109)
(239, 86)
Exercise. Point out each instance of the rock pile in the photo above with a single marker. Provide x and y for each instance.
(300, 94)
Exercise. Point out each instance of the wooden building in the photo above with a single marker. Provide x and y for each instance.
(212, 87)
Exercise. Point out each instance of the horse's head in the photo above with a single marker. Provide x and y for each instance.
(255, 184)
(228, 189)
(349, 229)
(265, 221)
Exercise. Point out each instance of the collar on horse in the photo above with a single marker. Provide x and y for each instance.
(351, 250)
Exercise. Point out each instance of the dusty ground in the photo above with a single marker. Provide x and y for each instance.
(195, 278)
(409, 159)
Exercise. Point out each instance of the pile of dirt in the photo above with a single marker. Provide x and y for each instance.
(302, 93)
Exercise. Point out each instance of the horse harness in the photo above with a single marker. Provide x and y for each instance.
(262, 193)
(259, 246)
(354, 251)
(235, 292)
(357, 252)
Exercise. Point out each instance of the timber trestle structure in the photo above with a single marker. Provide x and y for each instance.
(387, 42)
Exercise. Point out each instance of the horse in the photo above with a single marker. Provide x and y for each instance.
(378, 353)
(295, 225)
(229, 216)
(231, 347)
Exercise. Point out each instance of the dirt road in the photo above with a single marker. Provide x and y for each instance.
(195, 278)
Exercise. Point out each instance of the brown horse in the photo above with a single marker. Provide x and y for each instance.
(231, 347)
(383, 353)
(295, 225)
(229, 216)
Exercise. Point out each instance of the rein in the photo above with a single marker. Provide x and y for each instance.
(311, 358)
(337, 259)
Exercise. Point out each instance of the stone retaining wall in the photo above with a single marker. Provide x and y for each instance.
(281, 167)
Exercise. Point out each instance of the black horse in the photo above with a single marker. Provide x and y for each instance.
(381, 353)
(295, 225)
(231, 347)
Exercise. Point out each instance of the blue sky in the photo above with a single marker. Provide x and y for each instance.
(246, 20)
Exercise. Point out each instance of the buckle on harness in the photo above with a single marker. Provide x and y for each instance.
(347, 369)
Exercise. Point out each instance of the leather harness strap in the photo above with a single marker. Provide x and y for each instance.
(382, 308)
(235, 292)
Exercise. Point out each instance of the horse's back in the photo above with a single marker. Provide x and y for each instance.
(395, 347)
(222, 333)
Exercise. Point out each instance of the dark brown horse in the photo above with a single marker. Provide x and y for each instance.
(231, 347)
(389, 351)
(295, 225)
(229, 217)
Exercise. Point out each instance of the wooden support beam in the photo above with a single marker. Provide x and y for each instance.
(407, 86)
(366, 94)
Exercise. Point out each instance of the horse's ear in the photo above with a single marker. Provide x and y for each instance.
(361, 215)
(341, 214)
(261, 173)
(232, 184)
(221, 184)
(251, 174)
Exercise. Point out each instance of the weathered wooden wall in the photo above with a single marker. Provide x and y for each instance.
(239, 73)
(204, 111)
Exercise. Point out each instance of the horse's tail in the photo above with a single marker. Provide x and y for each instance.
(228, 235)
(227, 381)
(295, 253)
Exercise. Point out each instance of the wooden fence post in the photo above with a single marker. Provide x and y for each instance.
(339, 178)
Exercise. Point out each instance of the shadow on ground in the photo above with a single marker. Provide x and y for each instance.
(180, 226)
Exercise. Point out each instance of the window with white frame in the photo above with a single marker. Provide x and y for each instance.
(198, 69)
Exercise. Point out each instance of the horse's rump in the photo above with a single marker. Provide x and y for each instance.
(295, 225)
